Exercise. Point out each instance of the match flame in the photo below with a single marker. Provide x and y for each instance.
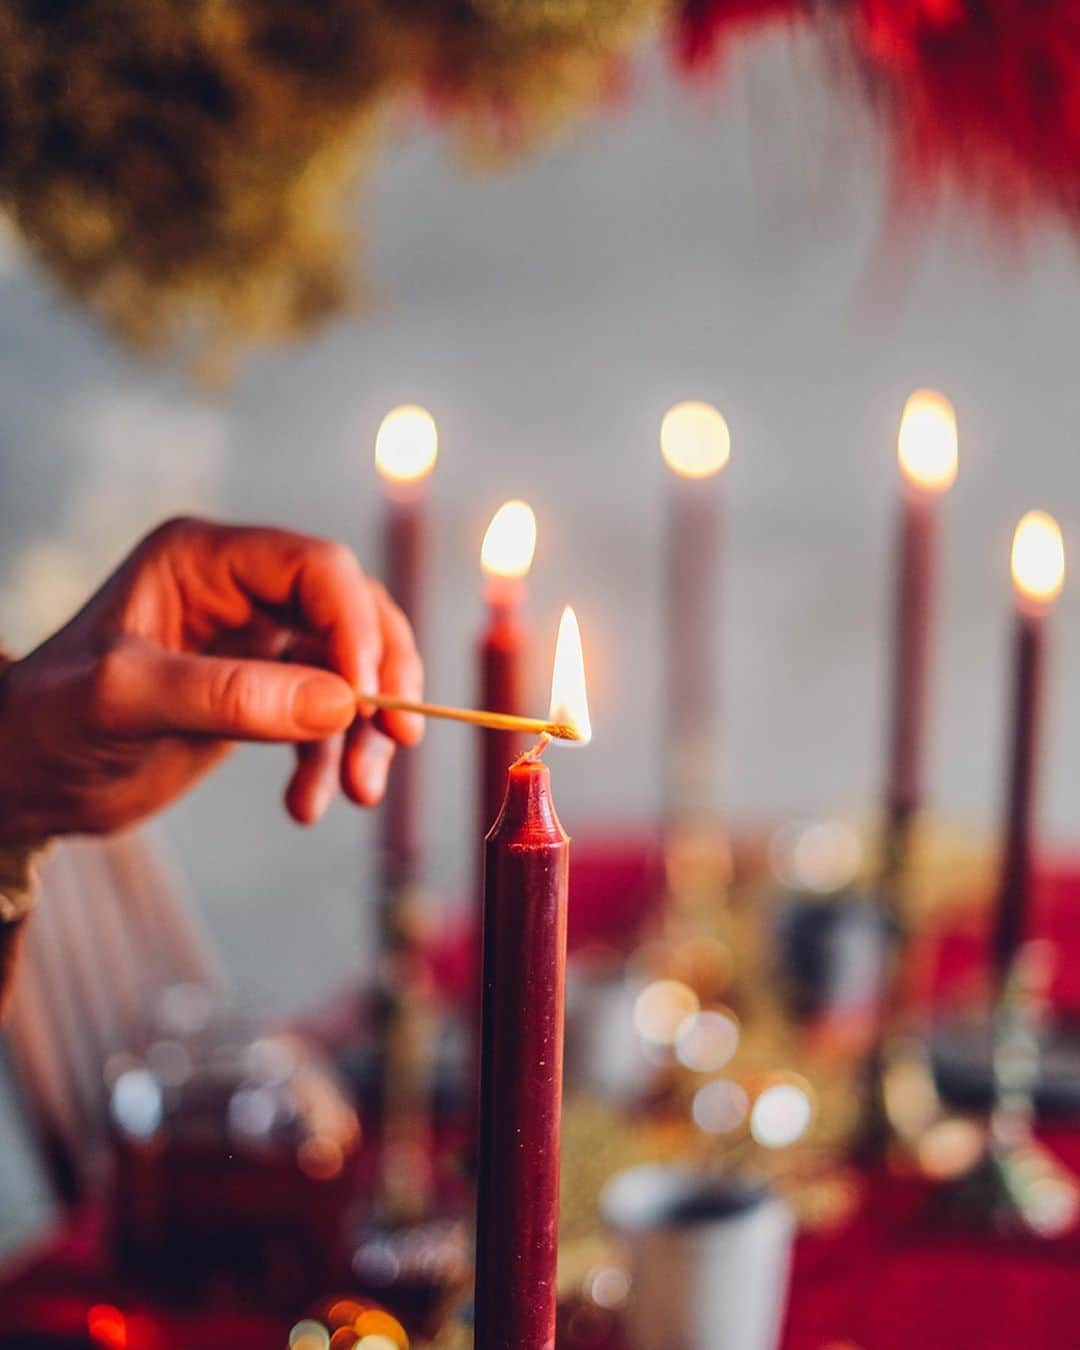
(510, 541)
(569, 698)
(694, 440)
(1038, 558)
(927, 444)
(406, 444)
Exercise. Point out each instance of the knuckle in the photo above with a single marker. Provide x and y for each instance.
(107, 685)
(338, 558)
(175, 530)
(235, 696)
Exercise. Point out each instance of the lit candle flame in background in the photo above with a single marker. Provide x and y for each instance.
(510, 541)
(1038, 558)
(927, 445)
(694, 440)
(569, 697)
(406, 445)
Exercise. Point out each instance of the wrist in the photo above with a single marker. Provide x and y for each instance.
(18, 854)
(7, 752)
(7, 756)
(16, 831)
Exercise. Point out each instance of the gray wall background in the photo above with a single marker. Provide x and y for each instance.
(733, 247)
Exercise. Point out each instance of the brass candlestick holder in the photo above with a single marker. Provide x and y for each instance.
(406, 1028)
(1018, 1183)
(408, 1248)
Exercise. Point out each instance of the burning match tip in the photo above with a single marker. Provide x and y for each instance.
(563, 731)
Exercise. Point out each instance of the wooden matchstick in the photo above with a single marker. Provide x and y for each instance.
(560, 731)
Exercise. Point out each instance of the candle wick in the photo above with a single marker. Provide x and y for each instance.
(531, 756)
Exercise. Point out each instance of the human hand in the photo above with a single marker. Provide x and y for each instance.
(191, 645)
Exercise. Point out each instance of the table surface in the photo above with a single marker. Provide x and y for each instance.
(900, 1274)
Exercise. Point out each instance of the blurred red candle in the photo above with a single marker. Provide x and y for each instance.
(695, 444)
(1038, 571)
(927, 455)
(406, 448)
(506, 557)
(524, 972)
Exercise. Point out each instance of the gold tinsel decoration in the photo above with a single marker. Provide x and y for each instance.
(187, 167)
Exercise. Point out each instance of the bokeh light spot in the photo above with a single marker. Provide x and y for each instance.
(608, 1286)
(720, 1107)
(706, 1041)
(320, 1157)
(378, 1322)
(107, 1326)
(781, 1115)
(661, 1008)
(309, 1335)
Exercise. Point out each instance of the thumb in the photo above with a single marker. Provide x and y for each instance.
(158, 692)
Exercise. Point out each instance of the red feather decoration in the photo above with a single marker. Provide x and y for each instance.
(982, 93)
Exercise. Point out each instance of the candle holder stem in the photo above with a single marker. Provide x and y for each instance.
(895, 865)
(1019, 1183)
(887, 1032)
(406, 1029)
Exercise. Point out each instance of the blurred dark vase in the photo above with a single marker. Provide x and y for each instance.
(833, 953)
(235, 1165)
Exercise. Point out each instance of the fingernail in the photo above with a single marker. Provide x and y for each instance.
(369, 684)
(375, 769)
(369, 675)
(322, 704)
(321, 799)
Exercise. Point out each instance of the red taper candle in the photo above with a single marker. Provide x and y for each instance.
(501, 688)
(1038, 569)
(527, 857)
(405, 451)
(506, 556)
(524, 972)
(927, 455)
(696, 444)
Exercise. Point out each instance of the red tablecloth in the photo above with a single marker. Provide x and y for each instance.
(897, 1277)
(64, 1294)
(904, 1273)
(902, 1276)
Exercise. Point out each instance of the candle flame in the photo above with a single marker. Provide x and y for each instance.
(569, 698)
(510, 541)
(406, 444)
(694, 440)
(927, 444)
(1038, 558)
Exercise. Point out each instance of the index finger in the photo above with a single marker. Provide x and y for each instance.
(315, 585)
